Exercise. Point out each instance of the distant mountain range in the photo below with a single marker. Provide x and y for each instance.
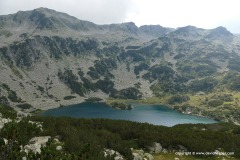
(48, 58)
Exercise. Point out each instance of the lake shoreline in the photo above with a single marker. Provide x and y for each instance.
(164, 104)
(107, 102)
(150, 113)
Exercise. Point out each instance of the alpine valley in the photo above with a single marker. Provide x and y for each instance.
(50, 59)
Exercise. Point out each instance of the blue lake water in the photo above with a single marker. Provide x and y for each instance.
(153, 114)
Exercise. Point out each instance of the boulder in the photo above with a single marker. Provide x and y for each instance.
(155, 148)
(137, 156)
(105, 154)
(37, 142)
(5, 141)
(118, 154)
(110, 152)
(24, 158)
(118, 158)
(140, 152)
(59, 148)
(40, 140)
(5, 120)
(56, 140)
(36, 148)
(182, 148)
(165, 151)
(148, 156)
(158, 147)
(27, 147)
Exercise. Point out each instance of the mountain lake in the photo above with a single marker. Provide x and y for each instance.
(153, 114)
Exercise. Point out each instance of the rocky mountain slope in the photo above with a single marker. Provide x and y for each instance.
(48, 58)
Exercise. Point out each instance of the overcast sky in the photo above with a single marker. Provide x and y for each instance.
(168, 13)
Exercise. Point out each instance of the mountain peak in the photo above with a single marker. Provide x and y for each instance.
(220, 33)
(128, 27)
(48, 19)
(187, 32)
(187, 29)
(43, 9)
(51, 13)
(155, 30)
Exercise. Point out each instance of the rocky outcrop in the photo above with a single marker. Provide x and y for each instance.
(137, 156)
(36, 143)
(110, 153)
(141, 155)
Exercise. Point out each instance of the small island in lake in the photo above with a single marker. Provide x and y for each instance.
(93, 99)
(121, 105)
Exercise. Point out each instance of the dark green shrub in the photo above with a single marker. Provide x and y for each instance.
(205, 85)
(21, 131)
(121, 105)
(7, 112)
(71, 81)
(3, 100)
(234, 64)
(40, 88)
(25, 106)
(178, 99)
(235, 85)
(128, 93)
(93, 99)
(105, 85)
(69, 97)
(12, 96)
(140, 67)
(215, 102)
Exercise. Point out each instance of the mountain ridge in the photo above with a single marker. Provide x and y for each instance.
(57, 22)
